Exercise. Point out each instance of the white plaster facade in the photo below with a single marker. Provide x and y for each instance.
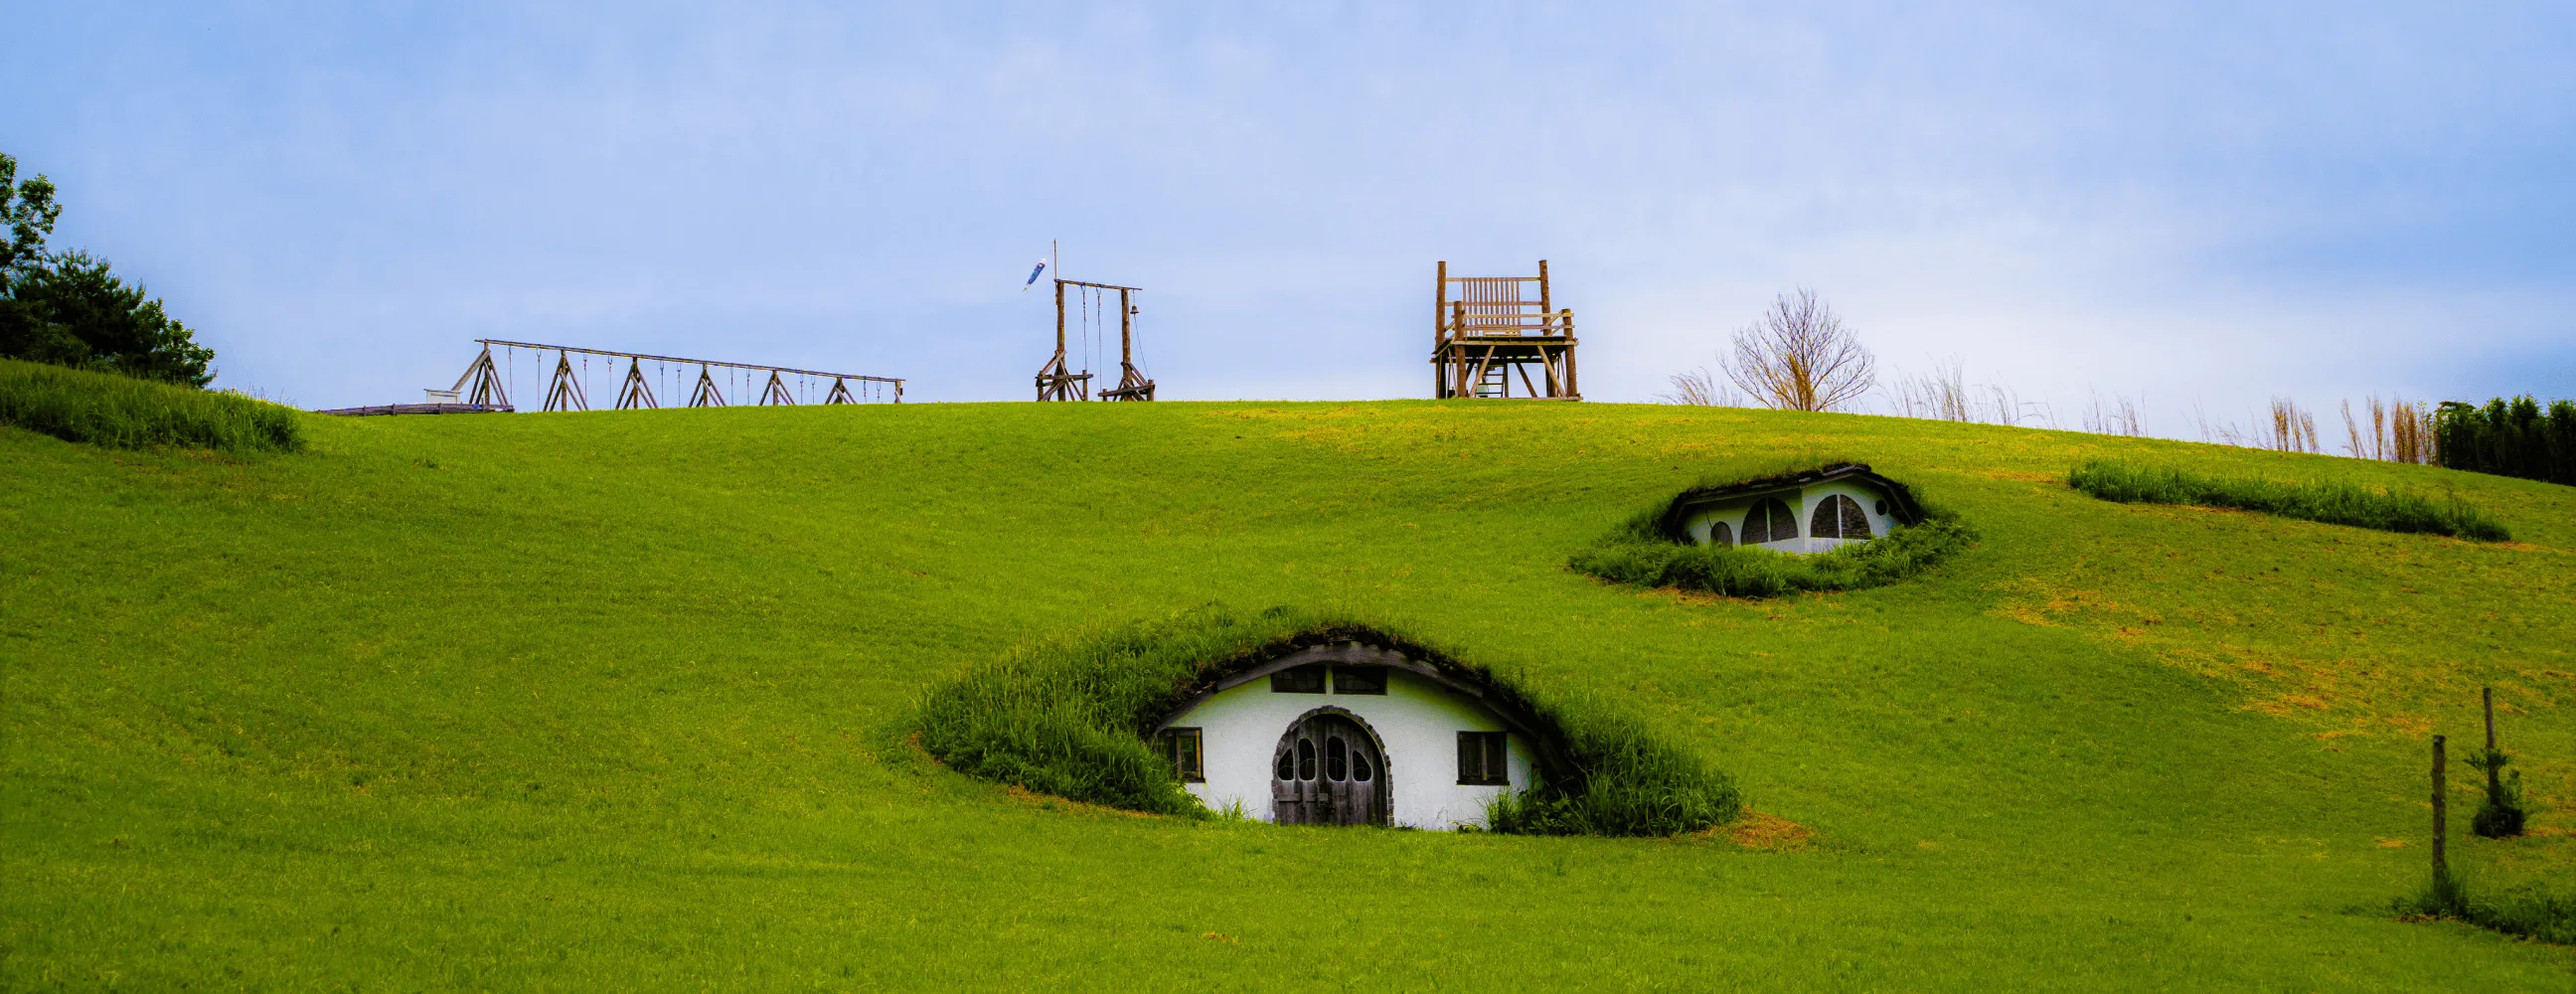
(1699, 519)
(1416, 722)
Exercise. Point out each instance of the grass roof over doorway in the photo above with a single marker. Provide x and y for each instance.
(1069, 717)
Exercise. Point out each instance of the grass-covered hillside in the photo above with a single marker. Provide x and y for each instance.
(616, 701)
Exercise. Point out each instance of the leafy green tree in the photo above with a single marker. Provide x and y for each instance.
(28, 210)
(84, 316)
(69, 309)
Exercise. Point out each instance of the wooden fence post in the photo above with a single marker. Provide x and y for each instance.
(2441, 868)
(2490, 696)
(2495, 773)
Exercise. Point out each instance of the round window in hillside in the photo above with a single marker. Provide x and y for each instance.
(1721, 536)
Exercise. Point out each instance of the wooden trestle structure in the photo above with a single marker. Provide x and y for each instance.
(1057, 381)
(485, 384)
(1491, 329)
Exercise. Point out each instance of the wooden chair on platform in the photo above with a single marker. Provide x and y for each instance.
(1487, 330)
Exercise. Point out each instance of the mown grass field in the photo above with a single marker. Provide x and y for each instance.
(612, 701)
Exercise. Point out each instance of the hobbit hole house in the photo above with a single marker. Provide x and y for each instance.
(1355, 734)
(1805, 512)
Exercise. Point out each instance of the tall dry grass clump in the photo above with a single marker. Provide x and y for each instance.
(2293, 430)
(2389, 431)
(2120, 417)
(122, 412)
(1944, 394)
(1699, 388)
(1940, 395)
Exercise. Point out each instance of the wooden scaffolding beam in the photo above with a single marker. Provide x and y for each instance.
(635, 394)
(565, 392)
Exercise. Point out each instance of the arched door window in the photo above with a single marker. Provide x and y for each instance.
(1839, 517)
(1769, 521)
(1328, 772)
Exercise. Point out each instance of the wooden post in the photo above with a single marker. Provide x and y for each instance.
(1458, 322)
(2495, 771)
(1571, 390)
(2441, 867)
(1439, 313)
(1126, 331)
(1543, 308)
(2490, 696)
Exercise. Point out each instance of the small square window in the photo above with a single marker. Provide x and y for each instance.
(1359, 679)
(1484, 758)
(1308, 679)
(1184, 748)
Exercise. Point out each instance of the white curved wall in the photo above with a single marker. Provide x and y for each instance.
(1417, 718)
(1804, 503)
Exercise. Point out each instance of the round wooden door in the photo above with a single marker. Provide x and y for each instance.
(1328, 771)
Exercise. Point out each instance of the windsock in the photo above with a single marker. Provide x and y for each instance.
(1033, 275)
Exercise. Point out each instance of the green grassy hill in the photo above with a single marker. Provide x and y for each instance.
(610, 701)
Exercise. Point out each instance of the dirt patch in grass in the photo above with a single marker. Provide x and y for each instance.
(1765, 832)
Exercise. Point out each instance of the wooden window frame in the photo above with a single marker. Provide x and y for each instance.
(1369, 675)
(1853, 517)
(1761, 512)
(1169, 744)
(1492, 759)
(1838, 516)
(1293, 680)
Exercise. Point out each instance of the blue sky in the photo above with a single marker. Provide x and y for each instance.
(2193, 205)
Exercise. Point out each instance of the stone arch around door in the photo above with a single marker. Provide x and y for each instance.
(1330, 768)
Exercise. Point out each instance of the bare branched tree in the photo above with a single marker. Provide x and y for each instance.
(1799, 357)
